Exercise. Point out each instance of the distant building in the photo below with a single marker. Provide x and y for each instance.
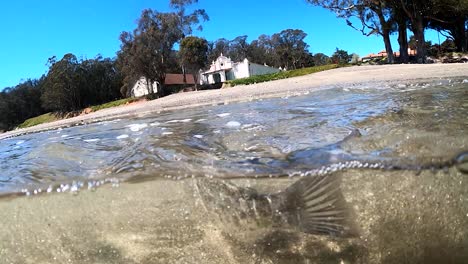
(383, 54)
(141, 88)
(172, 80)
(223, 69)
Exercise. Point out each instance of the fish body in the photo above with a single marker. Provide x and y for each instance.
(313, 205)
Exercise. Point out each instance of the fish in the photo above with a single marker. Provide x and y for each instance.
(312, 205)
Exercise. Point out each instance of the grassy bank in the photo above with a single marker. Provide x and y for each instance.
(50, 117)
(45, 118)
(281, 75)
(113, 104)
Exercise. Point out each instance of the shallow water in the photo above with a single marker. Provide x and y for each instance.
(135, 190)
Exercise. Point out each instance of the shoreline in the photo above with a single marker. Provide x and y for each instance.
(356, 75)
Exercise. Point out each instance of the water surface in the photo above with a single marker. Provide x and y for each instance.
(135, 191)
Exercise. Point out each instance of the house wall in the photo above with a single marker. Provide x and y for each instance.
(141, 88)
(240, 70)
(221, 63)
(257, 69)
(231, 71)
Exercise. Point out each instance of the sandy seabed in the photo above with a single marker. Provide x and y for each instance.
(357, 75)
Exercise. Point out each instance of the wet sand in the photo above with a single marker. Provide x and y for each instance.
(417, 219)
(357, 75)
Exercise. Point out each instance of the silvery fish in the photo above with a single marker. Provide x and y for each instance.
(313, 205)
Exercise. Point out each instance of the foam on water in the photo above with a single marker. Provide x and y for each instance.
(137, 127)
(179, 121)
(233, 124)
(123, 136)
(91, 140)
(224, 114)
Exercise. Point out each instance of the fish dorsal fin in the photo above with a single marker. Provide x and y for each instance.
(316, 205)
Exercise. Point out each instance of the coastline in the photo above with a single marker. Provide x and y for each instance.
(356, 75)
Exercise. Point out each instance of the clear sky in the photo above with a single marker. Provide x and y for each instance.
(33, 31)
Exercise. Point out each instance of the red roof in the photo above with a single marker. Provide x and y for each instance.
(172, 79)
(383, 53)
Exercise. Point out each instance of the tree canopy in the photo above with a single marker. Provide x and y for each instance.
(286, 49)
(147, 51)
(20, 103)
(384, 17)
(73, 84)
(193, 55)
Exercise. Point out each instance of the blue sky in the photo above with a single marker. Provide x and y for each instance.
(33, 31)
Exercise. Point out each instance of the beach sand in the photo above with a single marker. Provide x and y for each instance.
(357, 75)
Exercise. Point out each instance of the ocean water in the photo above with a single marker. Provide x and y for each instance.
(206, 184)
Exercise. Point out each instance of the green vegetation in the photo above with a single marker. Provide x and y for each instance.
(113, 104)
(45, 118)
(50, 117)
(193, 55)
(149, 51)
(282, 75)
(386, 17)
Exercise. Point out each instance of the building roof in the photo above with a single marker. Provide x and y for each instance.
(174, 79)
(383, 54)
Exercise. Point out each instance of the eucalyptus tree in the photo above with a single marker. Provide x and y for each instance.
(188, 20)
(286, 49)
(450, 18)
(261, 50)
(321, 59)
(193, 55)
(62, 91)
(401, 21)
(416, 11)
(148, 50)
(145, 51)
(290, 48)
(216, 48)
(73, 84)
(340, 57)
(374, 16)
(239, 48)
(20, 103)
(101, 80)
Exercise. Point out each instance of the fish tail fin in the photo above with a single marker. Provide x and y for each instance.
(316, 205)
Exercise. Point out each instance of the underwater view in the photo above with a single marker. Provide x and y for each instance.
(348, 174)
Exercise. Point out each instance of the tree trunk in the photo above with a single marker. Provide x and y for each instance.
(403, 41)
(386, 35)
(388, 46)
(195, 79)
(459, 35)
(161, 83)
(161, 90)
(418, 30)
(184, 79)
(417, 26)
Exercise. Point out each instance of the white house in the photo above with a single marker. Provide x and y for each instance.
(172, 79)
(141, 88)
(223, 69)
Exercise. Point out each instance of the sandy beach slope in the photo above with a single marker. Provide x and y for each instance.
(357, 75)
